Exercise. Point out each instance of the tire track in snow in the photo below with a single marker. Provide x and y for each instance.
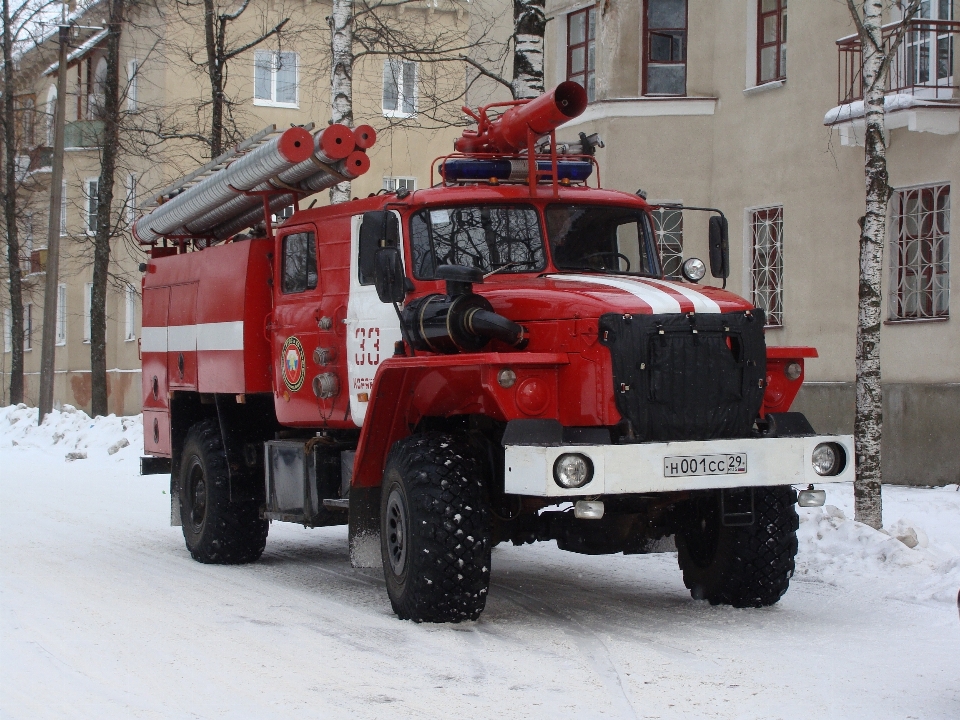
(588, 643)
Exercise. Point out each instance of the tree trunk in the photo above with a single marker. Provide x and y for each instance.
(869, 411)
(214, 37)
(105, 226)
(529, 25)
(341, 78)
(10, 212)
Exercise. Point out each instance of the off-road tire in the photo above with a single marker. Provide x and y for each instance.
(748, 566)
(215, 529)
(434, 513)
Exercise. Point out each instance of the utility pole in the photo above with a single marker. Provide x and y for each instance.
(48, 345)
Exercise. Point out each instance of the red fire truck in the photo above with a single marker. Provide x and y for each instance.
(496, 358)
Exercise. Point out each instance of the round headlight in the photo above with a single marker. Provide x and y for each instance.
(572, 470)
(694, 269)
(792, 370)
(826, 459)
(506, 378)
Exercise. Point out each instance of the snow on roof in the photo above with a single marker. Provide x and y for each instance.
(891, 103)
(88, 45)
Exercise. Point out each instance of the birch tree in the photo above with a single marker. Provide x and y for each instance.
(529, 26)
(878, 52)
(341, 78)
(18, 27)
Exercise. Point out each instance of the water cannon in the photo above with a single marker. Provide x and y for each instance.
(510, 132)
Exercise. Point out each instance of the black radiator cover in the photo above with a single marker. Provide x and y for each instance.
(687, 377)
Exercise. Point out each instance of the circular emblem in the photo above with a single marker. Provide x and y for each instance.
(291, 359)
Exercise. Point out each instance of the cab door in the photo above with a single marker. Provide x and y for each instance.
(299, 308)
(372, 326)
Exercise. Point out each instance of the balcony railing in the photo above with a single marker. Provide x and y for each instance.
(925, 64)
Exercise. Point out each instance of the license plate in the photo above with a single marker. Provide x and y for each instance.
(685, 465)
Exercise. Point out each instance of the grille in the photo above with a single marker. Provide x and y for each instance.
(687, 377)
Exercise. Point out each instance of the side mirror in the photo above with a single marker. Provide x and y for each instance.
(719, 247)
(379, 229)
(388, 275)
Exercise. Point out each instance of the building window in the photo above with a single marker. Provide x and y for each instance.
(582, 50)
(28, 326)
(130, 315)
(921, 264)
(391, 184)
(668, 229)
(63, 209)
(51, 111)
(767, 263)
(62, 315)
(275, 78)
(771, 40)
(87, 306)
(665, 48)
(399, 88)
(92, 192)
(7, 330)
(131, 200)
(133, 86)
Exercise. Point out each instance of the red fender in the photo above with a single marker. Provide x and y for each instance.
(781, 390)
(448, 385)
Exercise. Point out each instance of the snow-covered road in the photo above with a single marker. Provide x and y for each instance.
(104, 615)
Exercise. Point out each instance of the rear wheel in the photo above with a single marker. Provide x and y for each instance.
(215, 529)
(747, 566)
(435, 530)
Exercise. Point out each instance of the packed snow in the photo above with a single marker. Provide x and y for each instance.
(105, 615)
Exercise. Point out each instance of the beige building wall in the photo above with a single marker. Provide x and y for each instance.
(732, 144)
(168, 86)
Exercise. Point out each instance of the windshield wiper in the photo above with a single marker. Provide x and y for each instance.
(507, 266)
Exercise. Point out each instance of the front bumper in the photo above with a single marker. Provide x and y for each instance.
(639, 468)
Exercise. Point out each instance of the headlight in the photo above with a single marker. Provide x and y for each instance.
(506, 378)
(828, 459)
(572, 470)
(694, 269)
(792, 371)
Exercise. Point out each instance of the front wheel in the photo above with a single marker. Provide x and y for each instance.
(743, 566)
(215, 529)
(435, 530)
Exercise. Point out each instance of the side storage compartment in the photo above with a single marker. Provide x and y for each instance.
(303, 482)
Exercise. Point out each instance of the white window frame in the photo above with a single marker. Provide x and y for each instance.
(402, 92)
(130, 314)
(90, 212)
(87, 309)
(28, 327)
(133, 86)
(131, 197)
(61, 315)
(396, 182)
(7, 330)
(663, 246)
(272, 101)
(63, 209)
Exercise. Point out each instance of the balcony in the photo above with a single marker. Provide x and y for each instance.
(922, 92)
(83, 134)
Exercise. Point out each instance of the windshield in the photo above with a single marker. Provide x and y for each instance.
(492, 237)
(601, 238)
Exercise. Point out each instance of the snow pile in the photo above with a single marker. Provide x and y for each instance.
(72, 433)
(915, 565)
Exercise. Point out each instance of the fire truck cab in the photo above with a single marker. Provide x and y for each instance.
(496, 358)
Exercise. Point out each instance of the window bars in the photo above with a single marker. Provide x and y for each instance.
(767, 263)
(921, 261)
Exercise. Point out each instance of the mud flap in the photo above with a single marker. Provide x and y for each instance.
(364, 528)
(175, 501)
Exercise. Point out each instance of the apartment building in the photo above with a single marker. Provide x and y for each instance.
(713, 103)
(284, 80)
